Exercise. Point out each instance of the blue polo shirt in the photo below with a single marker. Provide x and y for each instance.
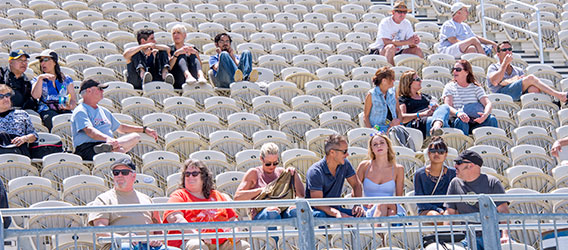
(320, 178)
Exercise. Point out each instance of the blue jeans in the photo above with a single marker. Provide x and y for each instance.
(144, 246)
(442, 113)
(227, 68)
(322, 214)
(466, 127)
(275, 215)
(515, 90)
(478, 241)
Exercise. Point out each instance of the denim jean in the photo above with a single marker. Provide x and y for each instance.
(466, 127)
(322, 214)
(275, 215)
(227, 68)
(144, 246)
(442, 113)
(478, 241)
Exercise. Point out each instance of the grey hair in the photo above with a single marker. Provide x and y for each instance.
(269, 149)
(333, 141)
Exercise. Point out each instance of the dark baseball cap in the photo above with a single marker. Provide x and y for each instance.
(17, 53)
(472, 156)
(92, 83)
(123, 162)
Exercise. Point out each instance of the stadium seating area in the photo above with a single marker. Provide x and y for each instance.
(314, 73)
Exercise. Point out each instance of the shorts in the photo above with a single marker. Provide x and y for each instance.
(453, 50)
(87, 150)
(515, 90)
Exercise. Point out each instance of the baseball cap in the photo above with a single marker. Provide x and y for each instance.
(17, 53)
(472, 156)
(92, 83)
(123, 162)
(400, 6)
(458, 6)
(48, 53)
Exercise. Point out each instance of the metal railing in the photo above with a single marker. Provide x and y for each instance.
(519, 29)
(307, 232)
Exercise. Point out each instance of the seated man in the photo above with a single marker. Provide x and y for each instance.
(92, 125)
(457, 38)
(228, 67)
(14, 77)
(124, 172)
(470, 180)
(148, 61)
(325, 179)
(504, 78)
(395, 35)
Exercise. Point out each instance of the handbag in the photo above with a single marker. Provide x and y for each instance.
(38, 151)
(281, 188)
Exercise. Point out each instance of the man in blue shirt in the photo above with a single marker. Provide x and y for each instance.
(93, 126)
(228, 67)
(325, 179)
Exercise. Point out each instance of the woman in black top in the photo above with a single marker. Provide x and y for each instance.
(184, 61)
(419, 110)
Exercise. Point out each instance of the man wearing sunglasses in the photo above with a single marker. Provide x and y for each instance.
(471, 181)
(14, 77)
(93, 125)
(124, 175)
(504, 78)
(325, 179)
(457, 38)
(396, 36)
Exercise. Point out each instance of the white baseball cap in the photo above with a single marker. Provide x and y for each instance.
(458, 6)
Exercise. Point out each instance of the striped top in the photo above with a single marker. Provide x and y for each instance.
(462, 96)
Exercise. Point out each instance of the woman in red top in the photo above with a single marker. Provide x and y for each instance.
(197, 186)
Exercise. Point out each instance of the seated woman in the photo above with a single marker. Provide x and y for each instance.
(467, 100)
(381, 176)
(381, 105)
(197, 186)
(434, 178)
(53, 89)
(184, 60)
(259, 177)
(16, 128)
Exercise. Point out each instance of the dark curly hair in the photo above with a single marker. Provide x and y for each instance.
(206, 176)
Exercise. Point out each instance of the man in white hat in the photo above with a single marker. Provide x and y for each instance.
(396, 36)
(457, 38)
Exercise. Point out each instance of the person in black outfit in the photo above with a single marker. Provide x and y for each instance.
(14, 77)
(148, 61)
(184, 61)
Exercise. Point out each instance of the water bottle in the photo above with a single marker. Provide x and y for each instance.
(64, 98)
(433, 101)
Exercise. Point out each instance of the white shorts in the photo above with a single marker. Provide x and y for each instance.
(453, 50)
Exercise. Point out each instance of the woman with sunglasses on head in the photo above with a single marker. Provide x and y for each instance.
(16, 128)
(53, 88)
(197, 185)
(434, 179)
(467, 100)
(259, 177)
(419, 110)
(381, 104)
(381, 176)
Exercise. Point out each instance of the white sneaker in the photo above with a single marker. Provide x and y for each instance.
(169, 79)
(147, 78)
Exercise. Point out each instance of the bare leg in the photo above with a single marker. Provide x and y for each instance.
(473, 41)
(388, 51)
(414, 50)
(533, 81)
(127, 142)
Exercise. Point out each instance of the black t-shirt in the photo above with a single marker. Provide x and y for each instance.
(22, 87)
(413, 105)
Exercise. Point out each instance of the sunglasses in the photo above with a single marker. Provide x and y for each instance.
(339, 150)
(268, 164)
(124, 172)
(401, 11)
(417, 79)
(194, 173)
(45, 59)
(437, 151)
(5, 95)
(459, 162)
(506, 49)
(457, 69)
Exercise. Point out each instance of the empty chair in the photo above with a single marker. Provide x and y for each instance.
(315, 139)
(31, 25)
(536, 117)
(538, 101)
(245, 123)
(496, 137)
(160, 165)
(229, 181)
(337, 121)
(137, 107)
(101, 49)
(247, 159)
(158, 91)
(214, 160)
(81, 61)
(493, 157)
(346, 103)
(82, 189)
(180, 106)
(533, 135)
(352, 49)
(221, 106)
(28, 46)
(503, 102)
(184, 143)
(203, 123)
(301, 159)
(309, 104)
(161, 122)
(455, 138)
(58, 166)
(84, 37)
(27, 190)
(333, 75)
(359, 137)
(279, 138)
(355, 88)
(374, 61)
(530, 177)
(296, 124)
(198, 92)
(532, 155)
(363, 73)
(269, 107)
(45, 37)
(229, 142)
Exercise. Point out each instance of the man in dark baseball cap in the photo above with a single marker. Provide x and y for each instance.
(89, 83)
(469, 180)
(14, 76)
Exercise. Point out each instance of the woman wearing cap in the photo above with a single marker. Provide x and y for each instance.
(420, 110)
(53, 89)
(16, 128)
(184, 61)
(197, 185)
(467, 100)
(381, 176)
(434, 178)
(381, 105)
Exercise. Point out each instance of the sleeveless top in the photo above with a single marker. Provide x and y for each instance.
(372, 189)
(382, 107)
(263, 179)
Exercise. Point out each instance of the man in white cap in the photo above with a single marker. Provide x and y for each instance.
(93, 126)
(457, 38)
(396, 36)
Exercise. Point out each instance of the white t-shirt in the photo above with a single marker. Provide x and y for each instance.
(390, 30)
